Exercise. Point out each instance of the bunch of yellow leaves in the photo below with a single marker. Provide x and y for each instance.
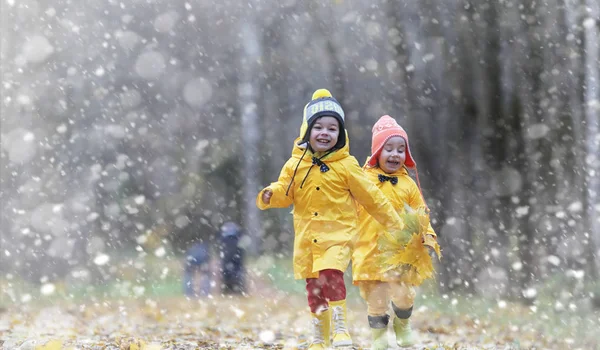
(409, 261)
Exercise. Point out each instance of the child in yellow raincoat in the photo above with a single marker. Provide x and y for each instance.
(388, 266)
(323, 182)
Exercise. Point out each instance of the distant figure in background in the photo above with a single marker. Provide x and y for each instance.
(232, 259)
(197, 262)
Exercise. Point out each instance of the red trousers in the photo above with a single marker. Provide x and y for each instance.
(329, 286)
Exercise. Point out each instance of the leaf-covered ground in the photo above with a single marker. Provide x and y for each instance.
(273, 316)
(270, 319)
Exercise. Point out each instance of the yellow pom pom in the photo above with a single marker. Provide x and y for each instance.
(321, 93)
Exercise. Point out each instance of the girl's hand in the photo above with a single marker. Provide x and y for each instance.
(266, 196)
(428, 238)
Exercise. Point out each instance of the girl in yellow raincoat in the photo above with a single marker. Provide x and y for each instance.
(388, 265)
(323, 182)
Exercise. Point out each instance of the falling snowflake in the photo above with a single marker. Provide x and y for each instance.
(101, 259)
(48, 289)
(160, 252)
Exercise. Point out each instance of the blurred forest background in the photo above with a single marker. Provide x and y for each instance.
(135, 128)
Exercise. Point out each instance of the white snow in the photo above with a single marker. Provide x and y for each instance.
(43, 218)
(25, 298)
(371, 65)
(267, 336)
(575, 207)
(165, 22)
(537, 131)
(101, 259)
(128, 40)
(160, 252)
(48, 289)
(517, 266)
(373, 29)
(61, 247)
(139, 200)
(19, 146)
(92, 216)
(115, 130)
(530, 293)
(37, 49)
(112, 210)
(138, 290)
(150, 65)
(428, 57)
(589, 23)
(99, 71)
(130, 99)
(141, 239)
(182, 221)
(201, 145)
(522, 211)
(197, 92)
(553, 260)
(61, 129)
(29, 136)
(238, 312)
(24, 100)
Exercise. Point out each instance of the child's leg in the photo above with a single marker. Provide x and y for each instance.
(403, 297)
(205, 280)
(335, 292)
(376, 294)
(316, 296)
(188, 280)
(319, 308)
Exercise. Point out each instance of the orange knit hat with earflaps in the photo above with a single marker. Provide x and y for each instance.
(386, 128)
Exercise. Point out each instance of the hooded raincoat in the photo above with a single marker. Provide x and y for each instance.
(365, 263)
(325, 209)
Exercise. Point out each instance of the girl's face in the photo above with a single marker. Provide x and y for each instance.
(324, 134)
(393, 155)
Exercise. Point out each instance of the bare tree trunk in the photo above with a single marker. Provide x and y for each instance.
(574, 83)
(592, 119)
(488, 95)
(399, 92)
(248, 91)
(337, 71)
(530, 149)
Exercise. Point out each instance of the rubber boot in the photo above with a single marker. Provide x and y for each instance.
(321, 323)
(405, 337)
(341, 336)
(379, 337)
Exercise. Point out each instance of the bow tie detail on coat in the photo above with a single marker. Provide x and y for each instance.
(392, 179)
(322, 166)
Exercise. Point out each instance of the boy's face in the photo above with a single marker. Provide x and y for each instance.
(324, 134)
(393, 155)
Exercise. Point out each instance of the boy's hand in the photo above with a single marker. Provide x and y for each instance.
(266, 196)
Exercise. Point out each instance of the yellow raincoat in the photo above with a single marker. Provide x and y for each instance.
(325, 211)
(366, 263)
